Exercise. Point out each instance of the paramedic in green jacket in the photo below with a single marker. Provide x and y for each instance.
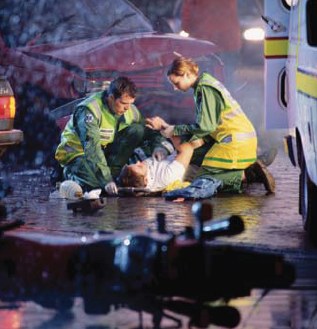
(228, 156)
(102, 135)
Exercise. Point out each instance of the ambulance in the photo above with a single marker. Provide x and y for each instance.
(290, 51)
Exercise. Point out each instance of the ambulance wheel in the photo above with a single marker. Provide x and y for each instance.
(308, 204)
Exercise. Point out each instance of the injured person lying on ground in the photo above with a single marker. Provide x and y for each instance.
(174, 177)
(153, 176)
(169, 179)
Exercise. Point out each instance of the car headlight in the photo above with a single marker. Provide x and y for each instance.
(254, 34)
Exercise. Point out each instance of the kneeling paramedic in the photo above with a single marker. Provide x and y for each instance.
(101, 136)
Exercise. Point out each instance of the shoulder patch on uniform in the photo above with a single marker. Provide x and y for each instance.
(89, 118)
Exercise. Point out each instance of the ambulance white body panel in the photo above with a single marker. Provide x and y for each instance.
(291, 91)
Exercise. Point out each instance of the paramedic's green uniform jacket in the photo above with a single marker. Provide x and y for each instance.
(91, 129)
(220, 117)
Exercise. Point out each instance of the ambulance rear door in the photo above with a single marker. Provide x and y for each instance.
(276, 16)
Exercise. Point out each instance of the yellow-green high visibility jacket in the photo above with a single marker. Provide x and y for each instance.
(98, 114)
(219, 116)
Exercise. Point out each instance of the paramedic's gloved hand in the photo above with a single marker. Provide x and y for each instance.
(111, 188)
(159, 153)
(156, 123)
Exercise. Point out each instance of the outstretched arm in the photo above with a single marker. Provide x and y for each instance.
(185, 150)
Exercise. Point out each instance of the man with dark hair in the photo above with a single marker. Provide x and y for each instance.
(102, 135)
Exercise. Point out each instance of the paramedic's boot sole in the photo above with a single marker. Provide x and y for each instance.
(258, 173)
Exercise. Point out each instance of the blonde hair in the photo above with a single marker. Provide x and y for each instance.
(182, 65)
(129, 178)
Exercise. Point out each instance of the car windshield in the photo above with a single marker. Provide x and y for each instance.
(55, 21)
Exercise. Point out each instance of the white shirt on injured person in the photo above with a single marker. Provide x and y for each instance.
(162, 173)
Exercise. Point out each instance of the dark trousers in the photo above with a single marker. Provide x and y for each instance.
(118, 153)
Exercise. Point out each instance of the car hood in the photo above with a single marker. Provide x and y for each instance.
(122, 53)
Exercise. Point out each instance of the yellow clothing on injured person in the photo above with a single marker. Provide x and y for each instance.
(176, 185)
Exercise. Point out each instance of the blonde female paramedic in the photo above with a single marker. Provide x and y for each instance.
(230, 158)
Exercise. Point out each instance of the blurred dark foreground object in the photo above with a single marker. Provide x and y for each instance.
(152, 271)
(86, 205)
(6, 225)
(5, 190)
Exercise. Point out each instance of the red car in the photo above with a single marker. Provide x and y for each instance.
(54, 52)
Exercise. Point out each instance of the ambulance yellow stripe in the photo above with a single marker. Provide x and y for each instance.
(275, 47)
(306, 83)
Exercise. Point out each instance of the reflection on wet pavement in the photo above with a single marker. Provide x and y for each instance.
(277, 310)
(272, 225)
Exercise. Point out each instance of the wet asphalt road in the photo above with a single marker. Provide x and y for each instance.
(272, 225)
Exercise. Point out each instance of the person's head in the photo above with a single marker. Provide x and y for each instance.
(121, 95)
(134, 175)
(183, 73)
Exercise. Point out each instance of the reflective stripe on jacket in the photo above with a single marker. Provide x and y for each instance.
(71, 146)
(235, 136)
